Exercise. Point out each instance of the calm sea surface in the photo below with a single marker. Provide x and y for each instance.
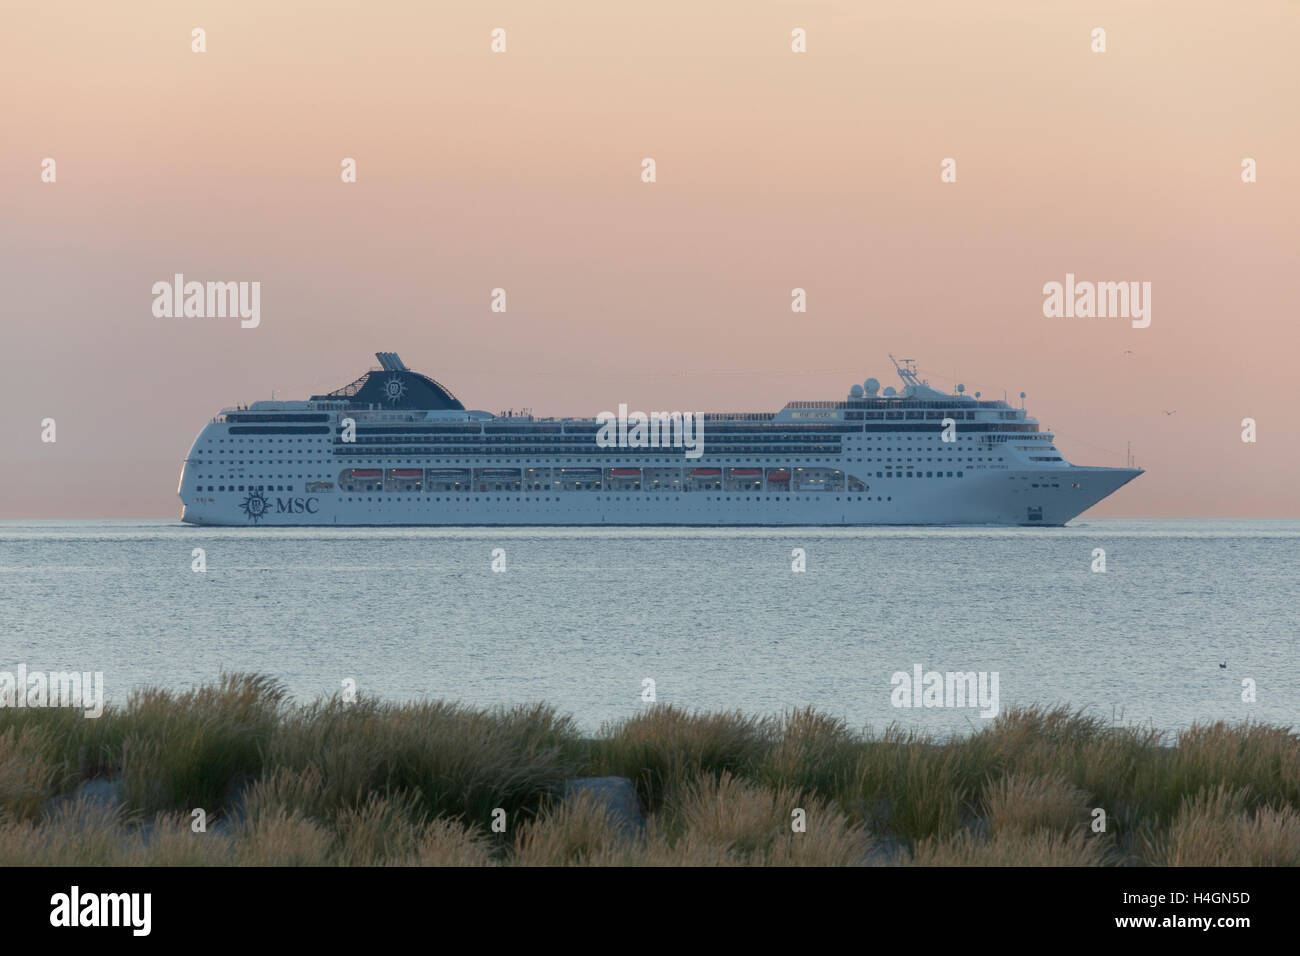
(715, 617)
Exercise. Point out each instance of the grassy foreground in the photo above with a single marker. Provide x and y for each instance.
(370, 783)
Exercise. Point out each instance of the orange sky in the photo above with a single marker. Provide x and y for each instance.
(775, 170)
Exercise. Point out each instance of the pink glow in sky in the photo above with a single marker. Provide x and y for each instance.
(775, 170)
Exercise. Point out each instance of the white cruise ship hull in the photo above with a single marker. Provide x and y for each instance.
(999, 498)
(396, 448)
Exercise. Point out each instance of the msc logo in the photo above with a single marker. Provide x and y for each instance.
(256, 506)
(395, 388)
(297, 506)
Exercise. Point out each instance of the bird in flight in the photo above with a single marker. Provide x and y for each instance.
(1170, 413)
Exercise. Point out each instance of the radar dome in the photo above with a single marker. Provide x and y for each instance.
(960, 389)
(889, 391)
(855, 391)
(872, 386)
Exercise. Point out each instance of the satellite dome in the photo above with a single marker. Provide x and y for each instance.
(889, 391)
(872, 386)
(855, 391)
(960, 388)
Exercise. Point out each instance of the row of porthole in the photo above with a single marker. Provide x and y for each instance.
(250, 488)
(635, 499)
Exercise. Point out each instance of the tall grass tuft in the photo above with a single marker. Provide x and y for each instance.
(1262, 761)
(444, 842)
(1023, 804)
(194, 749)
(580, 831)
(383, 831)
(1224, 826)
(77, 833)
(86, 747)
(752, 824)
(171, 841)
(911, 786)
(284, 838)
(29, 775)
(456, 761)
(666, 746)
(813, 753)
(1038, 848)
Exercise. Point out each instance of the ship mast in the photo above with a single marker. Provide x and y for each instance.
(906, 371)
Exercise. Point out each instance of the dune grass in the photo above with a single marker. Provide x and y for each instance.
(666, 745)
(369, 783)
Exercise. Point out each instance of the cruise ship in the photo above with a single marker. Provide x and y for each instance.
(397, 448)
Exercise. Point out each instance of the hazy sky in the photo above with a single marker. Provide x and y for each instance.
(775, 170)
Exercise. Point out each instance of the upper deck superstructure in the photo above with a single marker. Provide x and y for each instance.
(396, 447)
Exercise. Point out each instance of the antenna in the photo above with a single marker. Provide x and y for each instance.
(906, 371)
